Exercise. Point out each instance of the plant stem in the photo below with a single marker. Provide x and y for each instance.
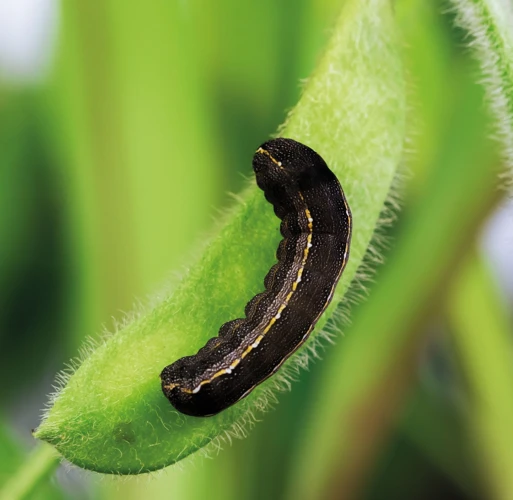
(488, 23)
(40, 464)
(484, 346)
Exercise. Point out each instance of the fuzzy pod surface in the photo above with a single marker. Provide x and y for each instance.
(111, 416)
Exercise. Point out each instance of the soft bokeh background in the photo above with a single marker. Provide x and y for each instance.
(123, 129)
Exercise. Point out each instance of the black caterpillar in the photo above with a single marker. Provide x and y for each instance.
(316, 230)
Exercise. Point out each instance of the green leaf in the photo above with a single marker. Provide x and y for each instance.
(482, 335)
(126, 128)
(112, 416)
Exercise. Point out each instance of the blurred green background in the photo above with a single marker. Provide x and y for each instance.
(117, 156)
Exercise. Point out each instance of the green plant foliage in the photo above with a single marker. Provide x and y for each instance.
(22, 477)
(116, 170)
(488, 23)
(483, 343)
(447, 212)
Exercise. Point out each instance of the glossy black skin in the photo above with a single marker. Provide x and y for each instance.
(302, 181)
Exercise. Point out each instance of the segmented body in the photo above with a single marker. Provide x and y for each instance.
(316, 229)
